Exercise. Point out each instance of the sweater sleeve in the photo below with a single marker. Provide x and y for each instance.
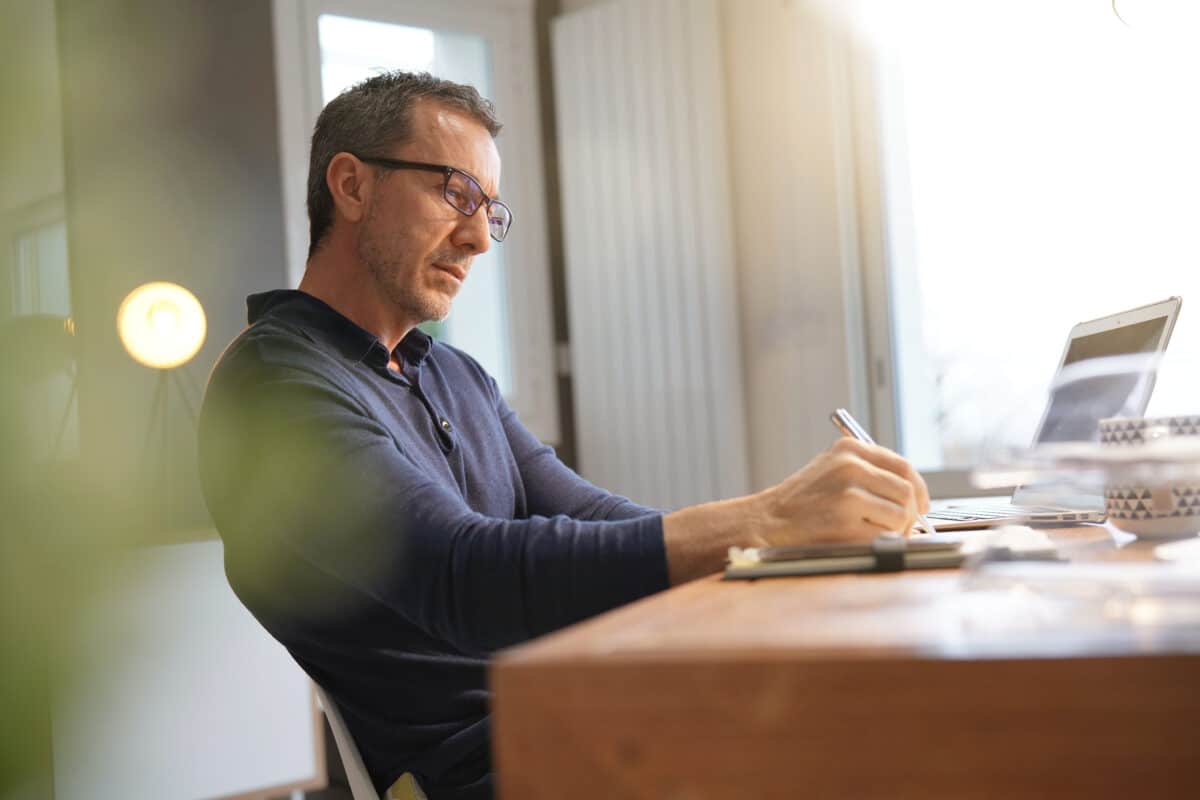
(551, 487)
(294, 468)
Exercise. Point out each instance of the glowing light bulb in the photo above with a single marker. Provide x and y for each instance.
(163, 317)
(161, 325)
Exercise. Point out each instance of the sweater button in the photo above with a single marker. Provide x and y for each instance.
(446, 426)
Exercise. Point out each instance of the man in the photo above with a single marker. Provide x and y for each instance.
(385, 514)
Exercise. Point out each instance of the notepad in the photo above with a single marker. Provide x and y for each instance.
(888, 554)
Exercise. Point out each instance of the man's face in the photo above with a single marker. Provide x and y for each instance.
(416, 247)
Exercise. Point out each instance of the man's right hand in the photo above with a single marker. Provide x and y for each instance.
(851, 492)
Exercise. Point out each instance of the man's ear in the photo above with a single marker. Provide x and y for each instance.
(350, 182)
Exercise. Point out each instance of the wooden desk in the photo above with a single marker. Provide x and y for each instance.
(850, 686)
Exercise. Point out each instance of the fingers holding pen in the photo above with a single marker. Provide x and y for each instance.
(893, 464)
(851, 492)
(887, 499)
(874, 514)
(844, 421)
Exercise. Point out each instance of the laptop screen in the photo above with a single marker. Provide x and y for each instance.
(1076, 409)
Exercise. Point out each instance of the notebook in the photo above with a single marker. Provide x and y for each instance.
(891, 553)
(1073, 413)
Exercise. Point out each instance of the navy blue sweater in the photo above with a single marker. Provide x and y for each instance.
(394, 530)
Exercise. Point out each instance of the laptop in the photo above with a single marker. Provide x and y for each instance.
(1073, 413)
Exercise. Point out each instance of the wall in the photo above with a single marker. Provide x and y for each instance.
(797, 247)
(219, 711)
(172, 173)
(567, 6)
(31, 184)
(31, 136)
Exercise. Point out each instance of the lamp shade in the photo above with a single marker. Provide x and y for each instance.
(161, 324)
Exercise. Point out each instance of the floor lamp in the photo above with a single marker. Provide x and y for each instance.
(162, 326)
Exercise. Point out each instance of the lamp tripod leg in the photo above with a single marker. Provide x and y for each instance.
(184, 390)
(155, 487)
(165, 466)
(66, 415)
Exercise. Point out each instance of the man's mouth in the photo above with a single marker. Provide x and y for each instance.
(459, 273)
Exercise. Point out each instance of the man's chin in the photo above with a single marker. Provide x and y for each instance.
(428, 305)
(435, 311)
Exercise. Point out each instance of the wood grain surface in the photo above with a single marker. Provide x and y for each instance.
(847, 686)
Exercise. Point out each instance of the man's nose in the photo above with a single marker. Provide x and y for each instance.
(472, 232)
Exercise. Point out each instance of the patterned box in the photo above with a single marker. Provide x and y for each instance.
(1170, 509)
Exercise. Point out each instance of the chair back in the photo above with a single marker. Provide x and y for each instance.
(361, 787)
(356, 771)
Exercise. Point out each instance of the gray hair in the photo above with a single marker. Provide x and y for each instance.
(372, 116)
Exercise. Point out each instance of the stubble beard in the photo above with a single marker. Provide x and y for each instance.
(384, 259)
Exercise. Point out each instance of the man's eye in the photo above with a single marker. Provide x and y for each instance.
(461, 199)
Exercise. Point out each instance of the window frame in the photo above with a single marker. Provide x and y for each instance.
(17, 222)
(509, 28)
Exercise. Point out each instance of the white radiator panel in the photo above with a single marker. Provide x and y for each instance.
(649, 248)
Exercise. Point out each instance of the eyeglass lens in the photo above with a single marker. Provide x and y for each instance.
(465, 194)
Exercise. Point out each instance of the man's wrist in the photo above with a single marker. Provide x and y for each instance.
(764, 522)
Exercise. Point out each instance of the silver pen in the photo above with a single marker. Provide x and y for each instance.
(849, 426)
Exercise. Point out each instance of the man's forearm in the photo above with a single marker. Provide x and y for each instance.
(850, 493)
(698, 538)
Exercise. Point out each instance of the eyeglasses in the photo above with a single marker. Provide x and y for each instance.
(460, 190)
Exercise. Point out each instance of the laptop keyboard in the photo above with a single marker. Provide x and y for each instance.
(961, 516)
(991, 512)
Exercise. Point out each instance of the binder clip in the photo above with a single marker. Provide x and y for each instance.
(889, 549)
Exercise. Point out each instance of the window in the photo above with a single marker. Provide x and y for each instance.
(35, 307)
(502, 315)
(1040, 167)
(39, 280)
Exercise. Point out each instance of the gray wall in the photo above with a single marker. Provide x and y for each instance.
(31, 133)
(171, 173)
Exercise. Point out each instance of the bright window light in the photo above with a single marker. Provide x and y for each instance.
(355, 49)
(1042, 163)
